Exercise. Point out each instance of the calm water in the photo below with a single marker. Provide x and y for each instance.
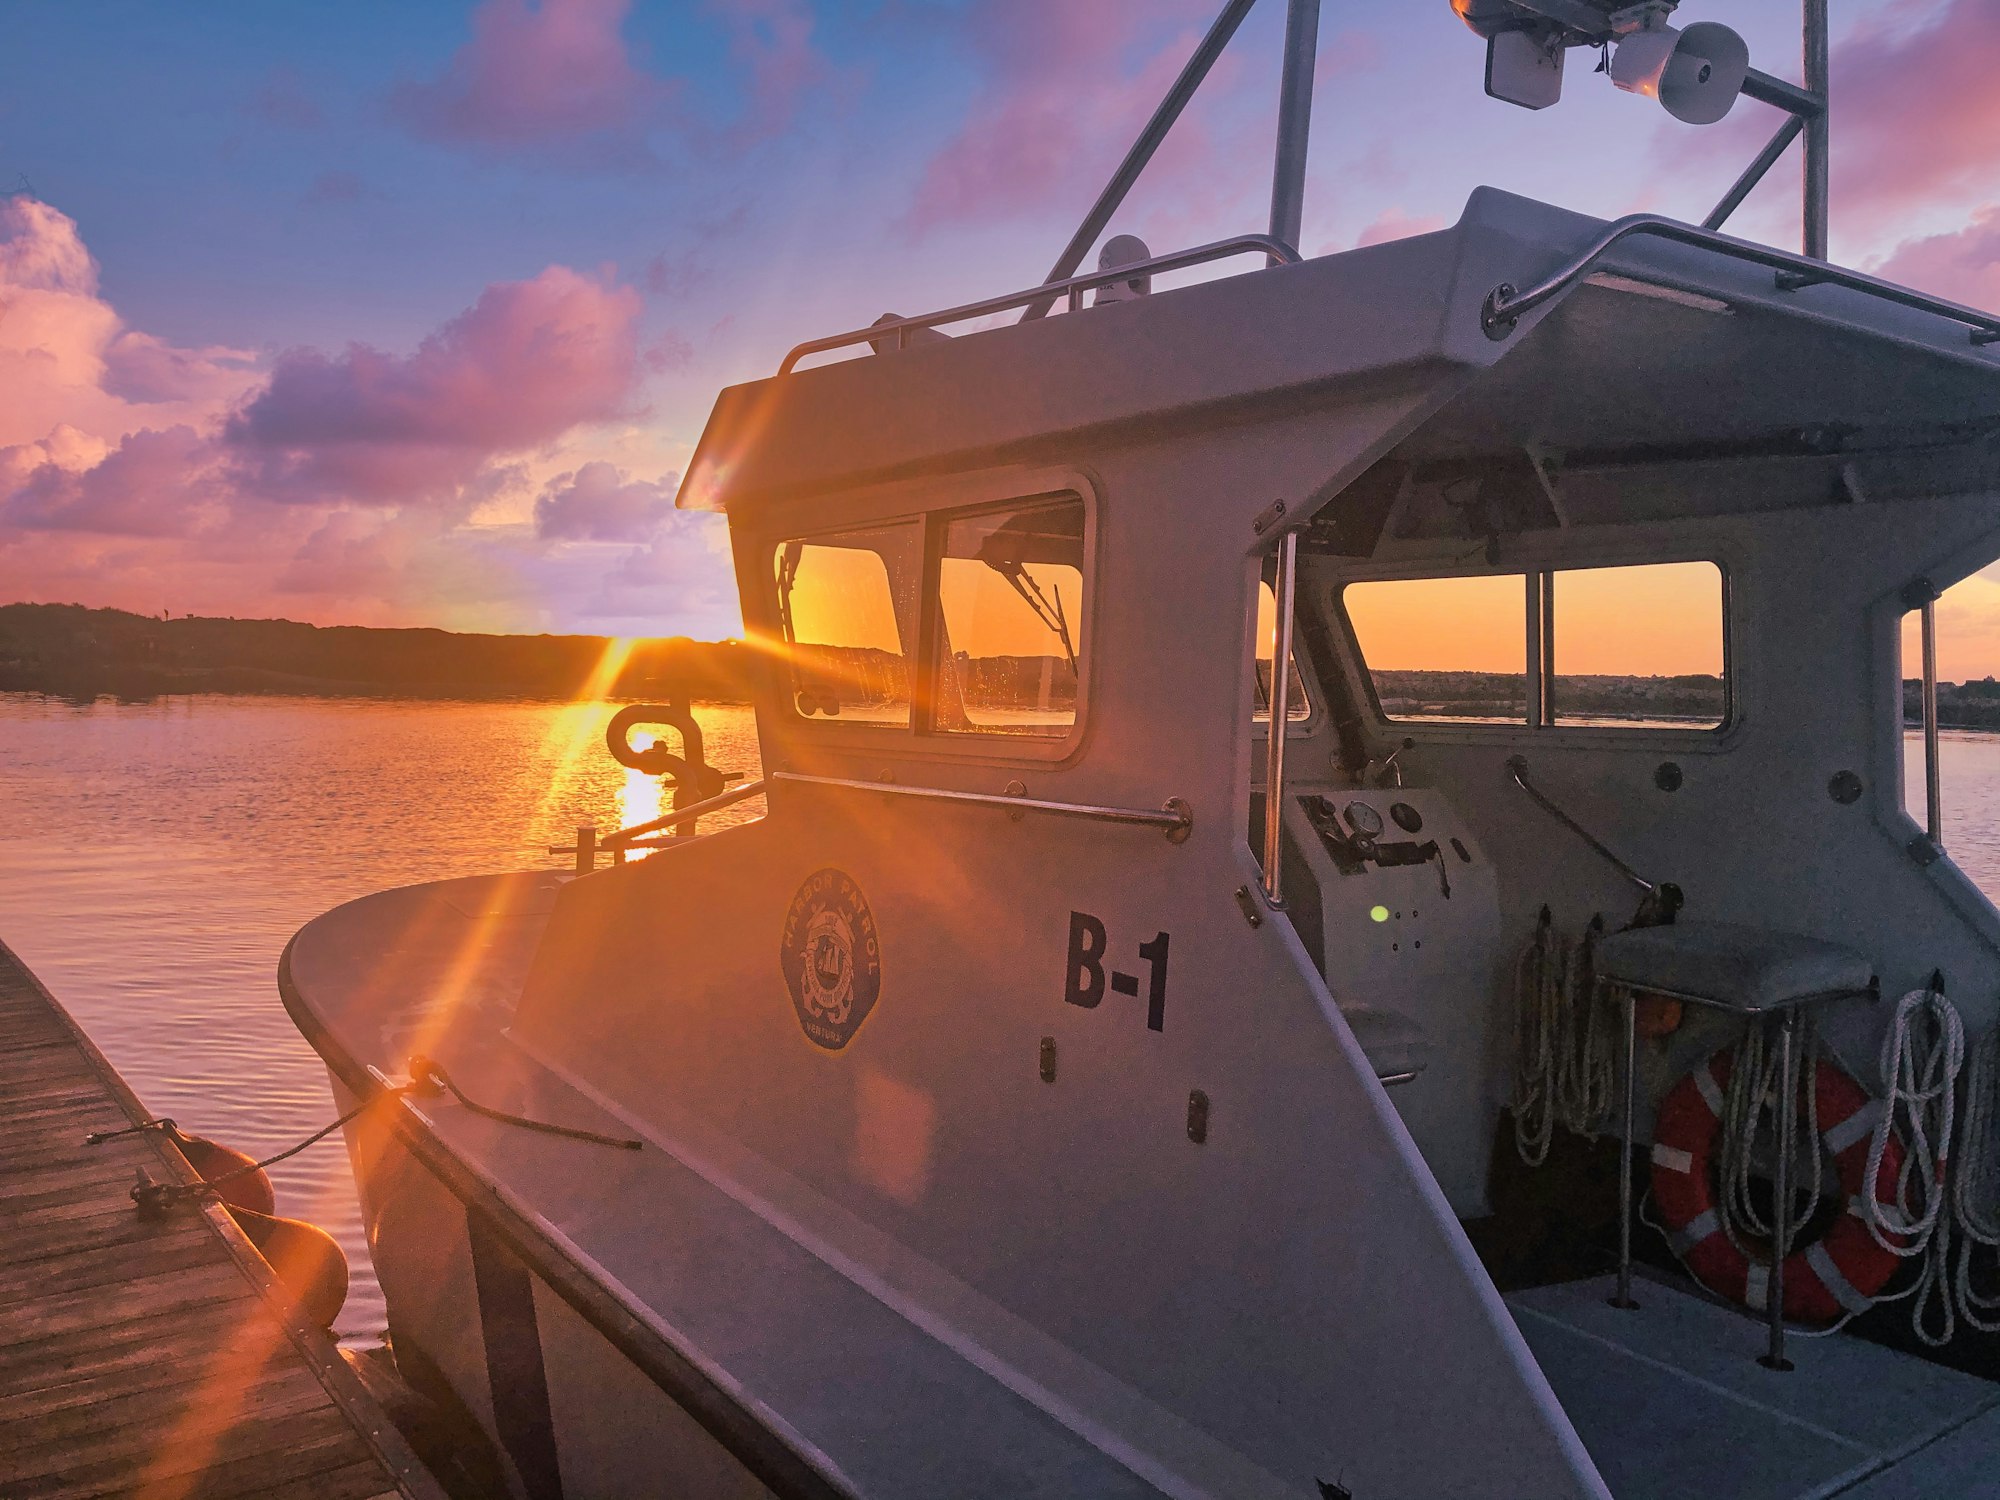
(155, 858)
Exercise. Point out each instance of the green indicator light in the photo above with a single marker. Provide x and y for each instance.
(1379, 913)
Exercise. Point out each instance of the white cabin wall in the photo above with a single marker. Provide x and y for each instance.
(1293, 1287)
(1752, 835)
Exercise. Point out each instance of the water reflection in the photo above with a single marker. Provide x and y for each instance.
(640, 800)
(155, 858)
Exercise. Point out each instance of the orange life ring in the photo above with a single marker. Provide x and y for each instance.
(1838, 1273)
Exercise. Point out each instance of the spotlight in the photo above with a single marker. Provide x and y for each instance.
(1696, 74)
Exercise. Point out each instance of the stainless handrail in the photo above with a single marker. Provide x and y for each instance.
(1517, 767)
(1933, 783)
(716, 803)
(1175, 818)
(1071, 288)
(1283, 592)
(1506, 305)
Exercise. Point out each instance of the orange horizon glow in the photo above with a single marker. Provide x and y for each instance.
(1648, 620)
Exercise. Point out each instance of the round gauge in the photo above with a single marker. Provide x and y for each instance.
(1363, 819)
(1407, 817)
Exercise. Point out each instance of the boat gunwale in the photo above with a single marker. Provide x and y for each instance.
(675, 1371)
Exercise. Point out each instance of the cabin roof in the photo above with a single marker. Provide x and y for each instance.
(1663, 346)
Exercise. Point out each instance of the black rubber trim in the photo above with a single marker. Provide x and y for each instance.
(719, 1412)
(515, 1375)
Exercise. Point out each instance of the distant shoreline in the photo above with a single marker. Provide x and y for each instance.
(69, 652)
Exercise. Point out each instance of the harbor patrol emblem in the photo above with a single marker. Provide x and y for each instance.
(831, 957)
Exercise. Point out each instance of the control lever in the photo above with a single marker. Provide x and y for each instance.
(1380, 771)
(1664, 896)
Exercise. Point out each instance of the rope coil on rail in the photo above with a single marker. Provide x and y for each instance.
(1938, 1207)
(1975, 1185)
(1754, 1080)
(1564, 1052)
(1923, 1053)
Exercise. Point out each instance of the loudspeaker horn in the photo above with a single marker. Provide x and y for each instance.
(1696, 74)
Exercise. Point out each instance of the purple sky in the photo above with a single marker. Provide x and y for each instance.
(388, 313)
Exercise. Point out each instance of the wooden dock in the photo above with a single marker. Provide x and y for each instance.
(153, 1358)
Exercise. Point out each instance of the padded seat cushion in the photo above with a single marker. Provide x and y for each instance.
(1733, 967)
(1395, 1046)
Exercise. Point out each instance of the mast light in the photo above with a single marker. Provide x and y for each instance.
(1696, 73)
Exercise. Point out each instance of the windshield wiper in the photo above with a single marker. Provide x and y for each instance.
(1051, 615)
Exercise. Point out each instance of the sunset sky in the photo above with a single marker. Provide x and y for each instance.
(411, 314)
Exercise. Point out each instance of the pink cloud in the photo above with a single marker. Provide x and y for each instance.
(1395, 224)
(42, 250)
(599, 503)
(527, 362)
(139, 367)
(66, 356)
(360, 485)
(153, 484)
(771, 41)
(544, 74)
(1058, 110)
(336, 187)
(1916, 110)
(1915, 120)
(1346, 52)
(285, 100)
(1963, 265)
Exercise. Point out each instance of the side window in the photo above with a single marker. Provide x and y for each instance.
(1637, 646)
(1009, 620)
(838, 606)
(1297, 705)
(1450, 650)
(1968, 700)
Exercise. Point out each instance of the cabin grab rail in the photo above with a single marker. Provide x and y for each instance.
(1174, 817)
(1517, 768)
(1071, 288)
(1506, 305)
(622, 837)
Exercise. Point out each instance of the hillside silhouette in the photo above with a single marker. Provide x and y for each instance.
(70, 651)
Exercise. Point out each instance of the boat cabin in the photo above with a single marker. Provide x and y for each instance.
(1247, 764)
(1055, 1026)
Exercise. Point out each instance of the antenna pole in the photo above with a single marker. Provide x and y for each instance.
(1295, 102)
(1818, 132)
(1169, 110)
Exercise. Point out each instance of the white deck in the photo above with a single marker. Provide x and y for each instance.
(1671, 1402)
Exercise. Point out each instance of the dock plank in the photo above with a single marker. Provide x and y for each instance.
(155, 1357)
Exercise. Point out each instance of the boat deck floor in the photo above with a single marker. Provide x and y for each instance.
(153, 1358)
(1671, 1402)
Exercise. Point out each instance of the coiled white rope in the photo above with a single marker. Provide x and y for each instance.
(1923, 1052)
(1754, 1080)
(1564, 1054)
(1975, 1183)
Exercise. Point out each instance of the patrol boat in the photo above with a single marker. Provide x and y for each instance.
(1070, 1086)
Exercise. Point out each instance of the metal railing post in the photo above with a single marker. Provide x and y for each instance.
(1754, 173)
(1933, 792)
(1295, 101)
(1283, 590)
(1818, 131)
(586, 848)
(1169, 110)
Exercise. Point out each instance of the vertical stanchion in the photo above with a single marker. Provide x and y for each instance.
(586, 848)
(1781, 1205)
(1295, 97)
(1624, 1297)
(1283, 588)
(1933, 785)
(1819, 128)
